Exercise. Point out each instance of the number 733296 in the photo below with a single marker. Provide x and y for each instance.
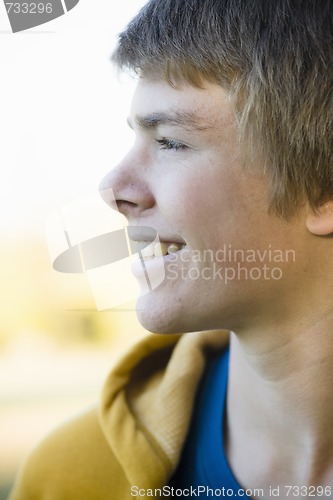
(29, 8)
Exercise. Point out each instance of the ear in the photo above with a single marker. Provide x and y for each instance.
(320, 223)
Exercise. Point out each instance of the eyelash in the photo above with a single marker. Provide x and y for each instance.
(169, 144)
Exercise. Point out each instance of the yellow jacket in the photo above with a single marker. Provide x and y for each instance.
(135, 438)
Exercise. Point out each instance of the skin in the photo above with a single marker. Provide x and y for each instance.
(199, 190)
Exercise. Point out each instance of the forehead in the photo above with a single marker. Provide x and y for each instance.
(156, 102)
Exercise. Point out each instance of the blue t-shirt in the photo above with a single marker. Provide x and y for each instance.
(204, 468)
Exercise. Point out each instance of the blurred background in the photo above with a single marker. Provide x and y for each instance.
(62, 127)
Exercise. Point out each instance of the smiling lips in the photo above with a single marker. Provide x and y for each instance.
(150, 250)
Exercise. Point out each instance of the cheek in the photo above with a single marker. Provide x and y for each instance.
(212, 194)
(211, 201)
(199, 206)
(184, 195)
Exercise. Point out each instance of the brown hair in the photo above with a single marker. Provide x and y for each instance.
(276, 60)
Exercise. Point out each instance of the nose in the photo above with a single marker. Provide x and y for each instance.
(126, 188)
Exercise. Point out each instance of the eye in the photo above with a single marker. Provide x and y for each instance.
(170, 144)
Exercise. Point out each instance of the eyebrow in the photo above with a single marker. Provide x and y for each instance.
(185, 119)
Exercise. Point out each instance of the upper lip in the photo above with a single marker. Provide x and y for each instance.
(149, 234)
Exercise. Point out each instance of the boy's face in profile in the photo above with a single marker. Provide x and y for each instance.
(186, 178)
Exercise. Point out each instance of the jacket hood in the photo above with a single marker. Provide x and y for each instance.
(147, 402)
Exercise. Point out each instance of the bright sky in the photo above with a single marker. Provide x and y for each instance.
(62, 110)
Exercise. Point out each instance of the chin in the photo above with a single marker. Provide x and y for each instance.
(167, 313)
(161, 317)
(159, 313)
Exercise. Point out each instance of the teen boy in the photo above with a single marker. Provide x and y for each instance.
(233, 153)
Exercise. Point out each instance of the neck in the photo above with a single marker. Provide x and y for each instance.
(280, 409)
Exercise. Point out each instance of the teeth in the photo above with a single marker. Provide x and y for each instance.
(174, 247)
(159, 249)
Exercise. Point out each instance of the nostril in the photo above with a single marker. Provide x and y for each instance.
(126, 196)
(123, 206)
